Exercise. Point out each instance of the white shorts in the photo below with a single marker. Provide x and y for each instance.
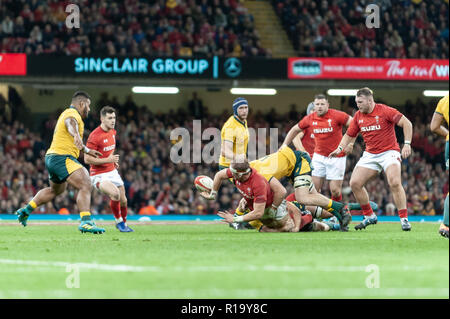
(112, 176)
(381, 161)
(331, 168)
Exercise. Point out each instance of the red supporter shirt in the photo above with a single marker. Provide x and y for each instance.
(255, 190)
(308, 141)
(327, 130)
(105, 143)
(377, 128)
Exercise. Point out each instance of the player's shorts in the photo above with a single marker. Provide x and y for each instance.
(446, 155)
(112, 176)
(302, 166)
(279, 214)
(59, 167)
(379, 162)
(330, 168)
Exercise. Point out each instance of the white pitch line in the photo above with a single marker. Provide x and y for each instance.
(249, 268)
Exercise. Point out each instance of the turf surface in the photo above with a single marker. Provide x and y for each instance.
(213, 261)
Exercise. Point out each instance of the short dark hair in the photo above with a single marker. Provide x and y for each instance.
(320, 97)
(107, 110)
(80, 95)
(240, 164)
(364, 92)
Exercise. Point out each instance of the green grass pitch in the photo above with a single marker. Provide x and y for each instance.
(207, 260)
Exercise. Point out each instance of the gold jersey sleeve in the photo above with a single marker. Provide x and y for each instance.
(442, 108)
(234, 131)
(279, 164)
(62, 142)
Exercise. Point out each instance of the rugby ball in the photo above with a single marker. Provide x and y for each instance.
(203, 183)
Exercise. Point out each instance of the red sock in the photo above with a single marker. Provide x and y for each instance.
(403, 213)
(367, 210)
(124, 212)
(115, 208)
(337, 199)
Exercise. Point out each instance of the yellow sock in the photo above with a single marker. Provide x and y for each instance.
(32, 204)
(256, 224)
(83, 214)
(330, 203)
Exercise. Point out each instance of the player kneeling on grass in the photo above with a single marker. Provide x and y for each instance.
(103, 171)
(264, 199)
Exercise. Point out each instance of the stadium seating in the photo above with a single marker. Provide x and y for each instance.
(336, 28)
(152, 181)
(164, 28)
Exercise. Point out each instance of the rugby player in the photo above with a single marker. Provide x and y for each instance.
(326, 124)
(103, 170)
(440, 115)
(264, 199)
(63, 167)
(377, 122)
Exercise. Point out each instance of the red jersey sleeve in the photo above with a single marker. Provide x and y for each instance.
(92, 141)
(353, 129)
(304, 123)
(229, 174)
(392, 114)
(259, 190)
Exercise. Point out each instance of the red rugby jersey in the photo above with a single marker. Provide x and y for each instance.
(377, 128)
(105, 143)
(255, 190)
(327, 130)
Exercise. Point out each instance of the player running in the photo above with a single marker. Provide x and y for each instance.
(63, 167)
(326, 124)
(376, 122)
(103, 171)
(440, 115)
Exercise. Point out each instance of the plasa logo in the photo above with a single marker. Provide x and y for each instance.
(307, 68)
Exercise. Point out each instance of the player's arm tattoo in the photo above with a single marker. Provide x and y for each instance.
(72, 126)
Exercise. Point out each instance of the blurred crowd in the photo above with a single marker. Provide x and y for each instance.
(412, 29)
(130, 27)
(156, 185)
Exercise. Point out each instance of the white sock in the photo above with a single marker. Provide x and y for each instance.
(119, 220)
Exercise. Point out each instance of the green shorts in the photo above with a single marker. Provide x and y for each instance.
(60, 167)
(302, 165)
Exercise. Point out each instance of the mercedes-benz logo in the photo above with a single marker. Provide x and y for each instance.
(232, 67)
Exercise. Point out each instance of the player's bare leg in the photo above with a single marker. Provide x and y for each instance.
(318, 182)
(393, 174)
(80, 180)
(360, 176)
(44, 196)
(336, 190)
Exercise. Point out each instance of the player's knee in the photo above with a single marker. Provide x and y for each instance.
(86, 186)
(115, 194)
(123, 202)
(355, 184)
(394, 183)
